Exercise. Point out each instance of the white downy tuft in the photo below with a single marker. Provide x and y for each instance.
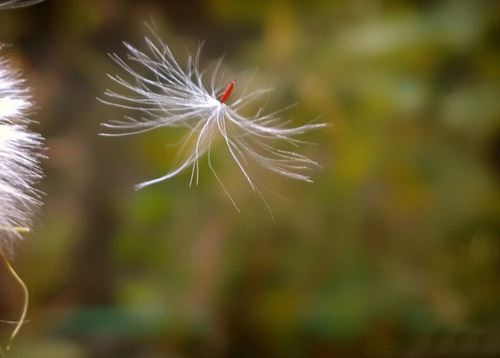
(165, 94)
(20, 152)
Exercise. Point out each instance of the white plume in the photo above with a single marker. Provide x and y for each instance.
(20, 152)
(164, 94)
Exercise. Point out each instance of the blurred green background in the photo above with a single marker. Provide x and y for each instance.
(393, 251)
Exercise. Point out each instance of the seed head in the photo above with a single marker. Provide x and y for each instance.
(20, 152)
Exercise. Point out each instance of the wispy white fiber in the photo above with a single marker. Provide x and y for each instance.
(14, 4)
(15, 98)
(162, 93)
(20, 152)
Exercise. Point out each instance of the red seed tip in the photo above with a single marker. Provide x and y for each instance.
(227, 92)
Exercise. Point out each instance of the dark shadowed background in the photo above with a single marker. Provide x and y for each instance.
(393, 250)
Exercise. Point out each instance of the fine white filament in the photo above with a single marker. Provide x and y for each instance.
(14, 4)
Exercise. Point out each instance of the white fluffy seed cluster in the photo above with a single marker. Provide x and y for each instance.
(20, 154)
(163, 93)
